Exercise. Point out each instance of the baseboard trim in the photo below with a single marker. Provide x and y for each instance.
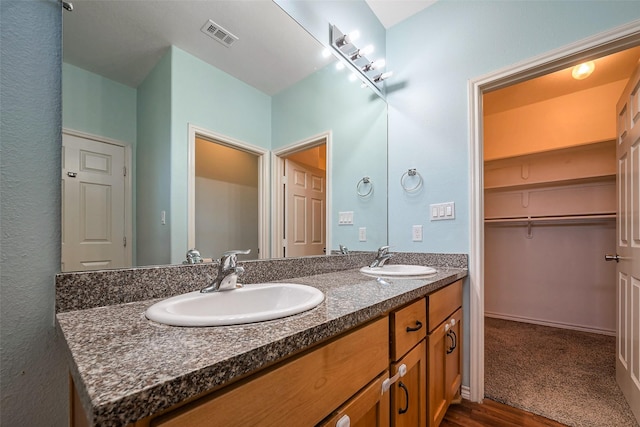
(542, 322)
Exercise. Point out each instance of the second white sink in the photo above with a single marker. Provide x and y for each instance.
(251, 303)
(398, 270)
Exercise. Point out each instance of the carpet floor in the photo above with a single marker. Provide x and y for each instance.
(567, 376)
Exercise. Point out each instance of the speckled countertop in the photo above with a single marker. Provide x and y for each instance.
(126, 367)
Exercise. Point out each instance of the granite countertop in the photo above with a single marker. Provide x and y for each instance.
(126, 367)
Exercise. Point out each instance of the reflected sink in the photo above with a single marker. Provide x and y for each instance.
(251, 303)
(398, 270)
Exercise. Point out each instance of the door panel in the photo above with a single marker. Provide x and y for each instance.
(93, 205)
(628, 245)
(305, 207)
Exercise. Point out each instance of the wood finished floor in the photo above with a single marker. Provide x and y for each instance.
(494, 414)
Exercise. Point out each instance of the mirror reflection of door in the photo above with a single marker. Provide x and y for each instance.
(94, 204)
(226, 199)
(305, 202)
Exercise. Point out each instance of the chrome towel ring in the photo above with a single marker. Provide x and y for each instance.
(411, 173)
(363, 184)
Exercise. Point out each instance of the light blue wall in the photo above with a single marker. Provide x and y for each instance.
(328, 101)
(209, 98)
(97, 105)
(153, 166)
(33, 370)
(433, 55)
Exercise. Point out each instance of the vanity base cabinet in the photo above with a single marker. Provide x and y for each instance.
(302, 391)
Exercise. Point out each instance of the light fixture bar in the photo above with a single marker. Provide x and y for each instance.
(356, 58)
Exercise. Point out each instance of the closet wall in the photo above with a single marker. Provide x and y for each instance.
(550, 216)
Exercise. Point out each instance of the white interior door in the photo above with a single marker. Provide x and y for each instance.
(628, 243)
(305, 200)
(93, 205)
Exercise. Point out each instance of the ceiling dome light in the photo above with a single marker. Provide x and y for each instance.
(583, 71)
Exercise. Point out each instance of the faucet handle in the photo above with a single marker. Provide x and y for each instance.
(383, 250)
(193, 257)
(230, 258)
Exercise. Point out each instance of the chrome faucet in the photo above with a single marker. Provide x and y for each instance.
(344, 250)
(382, 257)
(228, 271)
(193, 257)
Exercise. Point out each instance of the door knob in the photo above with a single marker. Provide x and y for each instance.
(615, 258)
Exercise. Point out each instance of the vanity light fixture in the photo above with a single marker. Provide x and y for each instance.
(360, 53)
(582, 71)
(346, 39)
(382, 76)
(375, 65)
(357, 58)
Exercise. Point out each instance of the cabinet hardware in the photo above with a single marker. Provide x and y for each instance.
(344, 421)
(402, 371)
(417, 327)
(72, 174)
(406, 395)
(454, 341)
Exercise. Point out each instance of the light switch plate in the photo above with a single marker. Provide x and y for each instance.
(345, 218)
(440, 211)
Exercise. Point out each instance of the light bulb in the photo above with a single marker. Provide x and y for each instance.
(339, 66)
(583, 71)
(326, 53)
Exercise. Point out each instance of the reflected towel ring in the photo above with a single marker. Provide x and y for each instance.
(411, 172)
(362, 184)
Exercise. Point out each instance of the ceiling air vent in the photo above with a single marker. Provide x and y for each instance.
(218, 33)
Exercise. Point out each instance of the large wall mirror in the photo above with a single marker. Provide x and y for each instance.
(180, 119)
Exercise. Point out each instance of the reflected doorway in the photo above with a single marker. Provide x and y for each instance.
(226, 196)
(302, 198)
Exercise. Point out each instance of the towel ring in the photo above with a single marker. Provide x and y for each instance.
(362, 184)
(411, 172)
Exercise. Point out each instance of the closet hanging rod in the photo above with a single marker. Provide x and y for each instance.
(550, 218)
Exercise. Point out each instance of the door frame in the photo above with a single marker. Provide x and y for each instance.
(263, 186)
(602, 44)
(128, 184)
(277, 160)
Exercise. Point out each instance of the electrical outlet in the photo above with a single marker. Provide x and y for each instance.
(416, 233)
(362, 234)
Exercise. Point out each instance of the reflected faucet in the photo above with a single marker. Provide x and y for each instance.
(228, 271)
(344, 250)
(382, 257)
(193, 257)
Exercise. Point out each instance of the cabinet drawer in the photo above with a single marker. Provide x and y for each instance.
(408, 327)
(300, 392)
(443, 303)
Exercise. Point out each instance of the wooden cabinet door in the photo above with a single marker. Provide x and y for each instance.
(438, 343)
(409, 393)
(453, 377)
(368, 408)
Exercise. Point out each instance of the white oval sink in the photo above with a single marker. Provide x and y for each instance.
(398, 270)
(251, 303)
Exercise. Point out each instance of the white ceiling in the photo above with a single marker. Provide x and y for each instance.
(391, 12)
(123, 40)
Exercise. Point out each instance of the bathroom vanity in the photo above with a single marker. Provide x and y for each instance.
(372, 351)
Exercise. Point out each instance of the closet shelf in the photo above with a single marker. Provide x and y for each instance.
(553, 218)
(549, 184)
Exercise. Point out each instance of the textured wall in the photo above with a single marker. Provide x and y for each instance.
(33, 374)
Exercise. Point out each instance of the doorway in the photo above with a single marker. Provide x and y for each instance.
(227, 192)
(302, 198)
(600, 45)
(96, 203)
